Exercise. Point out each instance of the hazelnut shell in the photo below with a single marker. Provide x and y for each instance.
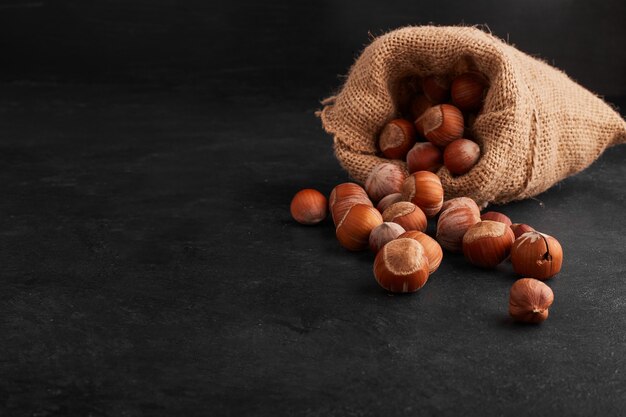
(309, 206)
(353, 230)
(401, 266)
(529, 300)
(536, 255)
(487, 243)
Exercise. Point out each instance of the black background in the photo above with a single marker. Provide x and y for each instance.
(148, 154)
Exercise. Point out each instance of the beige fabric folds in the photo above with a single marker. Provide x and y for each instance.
(537, 126)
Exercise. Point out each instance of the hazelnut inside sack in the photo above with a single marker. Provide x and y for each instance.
(536, 126)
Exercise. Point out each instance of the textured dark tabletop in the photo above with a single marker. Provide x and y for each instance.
(150, 266)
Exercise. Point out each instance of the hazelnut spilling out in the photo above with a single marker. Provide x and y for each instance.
(407, 215)
(529, 300)
(468, 91)
(424, 156)
(424, 189)
(446, 111)
(396, 138)
(461, 201)
(388, 200)
(384, 233)
(345, 190)
(384, 179)
(353, 230)
(309, 206)
(487, 243)
(453, 223)
(340, 207)
(431, 248)
(460, 156)
(496, 217)
(521, 228)
(536, 255)
(441, 124)
(401, 266)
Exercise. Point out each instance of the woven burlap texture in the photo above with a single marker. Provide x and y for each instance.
(536, 127)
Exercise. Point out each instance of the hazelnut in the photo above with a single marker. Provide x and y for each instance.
(461, 155)
(384, 179)
(436, 88)
(487, 243)
(344, 190)
(396, 138)
(521, 228)
(461, 201)
(424, 156)
(468, 91)
(529, 300)
(452, 225)
(353, 230)
(342, 206)
(308, 206)
(441, 124)
(424, 189)
(388, 200)
(432, 249)
(407, 215)
(536, 255)
(496, 217)
(401, 266)
(384, 233)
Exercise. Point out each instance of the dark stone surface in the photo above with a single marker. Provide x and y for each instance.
(148, 154)
(151, 267)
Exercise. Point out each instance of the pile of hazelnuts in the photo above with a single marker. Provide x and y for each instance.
(389, 215)
(436, 127)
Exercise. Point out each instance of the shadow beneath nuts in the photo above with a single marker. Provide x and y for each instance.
(508, 323)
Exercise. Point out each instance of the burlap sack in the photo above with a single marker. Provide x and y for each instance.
(536, 127)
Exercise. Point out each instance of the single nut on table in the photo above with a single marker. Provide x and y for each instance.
(536, 255)
(487, 243)
(441, 124)
(424, 189)
(401, 266)
(396, 138)
(309, 206)
(353, 230)
(407, 215)
(384, 179)
(424, 156)
(384, 233)
(529, 300)
(468, 91)
(460, 156)
(436, 88)
(521, 228)
(496, 217)
(431, 248)
(453, 223)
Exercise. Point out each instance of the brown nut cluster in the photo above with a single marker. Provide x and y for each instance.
(434, 129)
(439, 112)
(401, 266)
